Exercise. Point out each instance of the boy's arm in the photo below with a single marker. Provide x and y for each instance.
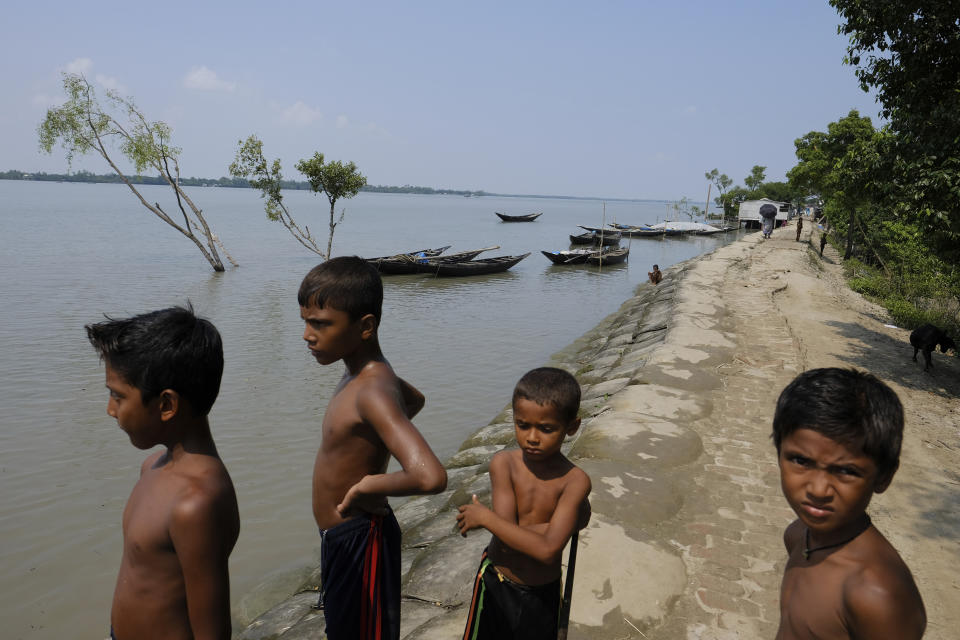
(201, 530)
(413, 400)
(544, 547)
(884, 606)
(421, 471)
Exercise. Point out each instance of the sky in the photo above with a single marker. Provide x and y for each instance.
(605, 99)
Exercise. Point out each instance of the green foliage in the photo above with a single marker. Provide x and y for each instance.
(83, 124)
(335, 179)
(756, 177)
(909, 52)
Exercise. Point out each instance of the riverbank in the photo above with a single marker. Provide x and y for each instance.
(679, 389)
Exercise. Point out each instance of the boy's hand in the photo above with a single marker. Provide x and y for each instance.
(356, 502)
(471, 516)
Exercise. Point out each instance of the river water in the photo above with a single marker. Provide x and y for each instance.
(71, 252)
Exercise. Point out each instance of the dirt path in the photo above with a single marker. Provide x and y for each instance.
(790, 311)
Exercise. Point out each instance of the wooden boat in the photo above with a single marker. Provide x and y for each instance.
(475, 267)
(406, 264)
(605, 239)
(530, 217)
(572, 256)
(614, 256)
(424, 253)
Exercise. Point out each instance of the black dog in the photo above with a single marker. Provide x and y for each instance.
(927, 338)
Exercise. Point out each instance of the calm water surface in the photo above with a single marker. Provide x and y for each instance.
(71, 252)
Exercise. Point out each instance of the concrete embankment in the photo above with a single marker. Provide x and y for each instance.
(631, 443)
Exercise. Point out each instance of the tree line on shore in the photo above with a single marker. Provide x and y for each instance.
(223, 181)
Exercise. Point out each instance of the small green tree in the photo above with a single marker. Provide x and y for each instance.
(83, 124)
(756, 177)
(841, 166)
(335, 179)
(722, 182)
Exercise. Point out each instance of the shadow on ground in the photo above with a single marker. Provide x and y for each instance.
(890, 359)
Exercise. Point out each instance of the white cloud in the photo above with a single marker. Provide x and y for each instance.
(80, 65)
(342, 122)
(690, 110)
(300, 114)
(111, 83)
(206, 79)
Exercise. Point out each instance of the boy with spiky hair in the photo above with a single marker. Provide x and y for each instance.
(180, 523)
(838, 434)
(539, 501)
(366, 422)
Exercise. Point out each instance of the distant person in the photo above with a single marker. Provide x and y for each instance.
(926, 338)
(838, 434)
(366, 422)
(181, 522)
(656, 275)
(767, 227)
(539, 501)
(799, 227)
(823, 241)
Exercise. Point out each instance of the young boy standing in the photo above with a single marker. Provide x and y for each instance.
(539, 500)
(181, 522)
(367, 420)
(838, 435)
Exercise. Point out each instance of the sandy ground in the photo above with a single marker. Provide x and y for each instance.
(789, 311)
(920, 513)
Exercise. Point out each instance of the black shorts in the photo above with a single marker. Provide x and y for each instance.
(360, 578)
(501, 609)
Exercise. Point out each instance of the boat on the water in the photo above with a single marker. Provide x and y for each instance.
(605, 239)
(474, 267)
(422, 253)
(573, 256)
(406, 264)
(529, 217)
(614, 256)
(678, 227)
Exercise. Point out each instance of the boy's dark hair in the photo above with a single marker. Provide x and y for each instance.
(548, 385)
(166, 349)
(851, 407)
(347, 283)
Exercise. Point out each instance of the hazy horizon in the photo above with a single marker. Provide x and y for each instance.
(610, 101)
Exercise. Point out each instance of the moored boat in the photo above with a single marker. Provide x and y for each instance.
(406, 264)
(529, 217)
(474, 267)
(614, 256)
(422, 253)
(605, 239)
(574, 256)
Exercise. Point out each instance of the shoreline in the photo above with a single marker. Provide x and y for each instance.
(679, 387)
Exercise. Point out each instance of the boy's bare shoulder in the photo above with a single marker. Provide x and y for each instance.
(881, 597)
(205, 490)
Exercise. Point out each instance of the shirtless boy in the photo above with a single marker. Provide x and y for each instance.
(180, 524)
(539, 500)
(656, 275)
(838, 434)
(367, 420)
